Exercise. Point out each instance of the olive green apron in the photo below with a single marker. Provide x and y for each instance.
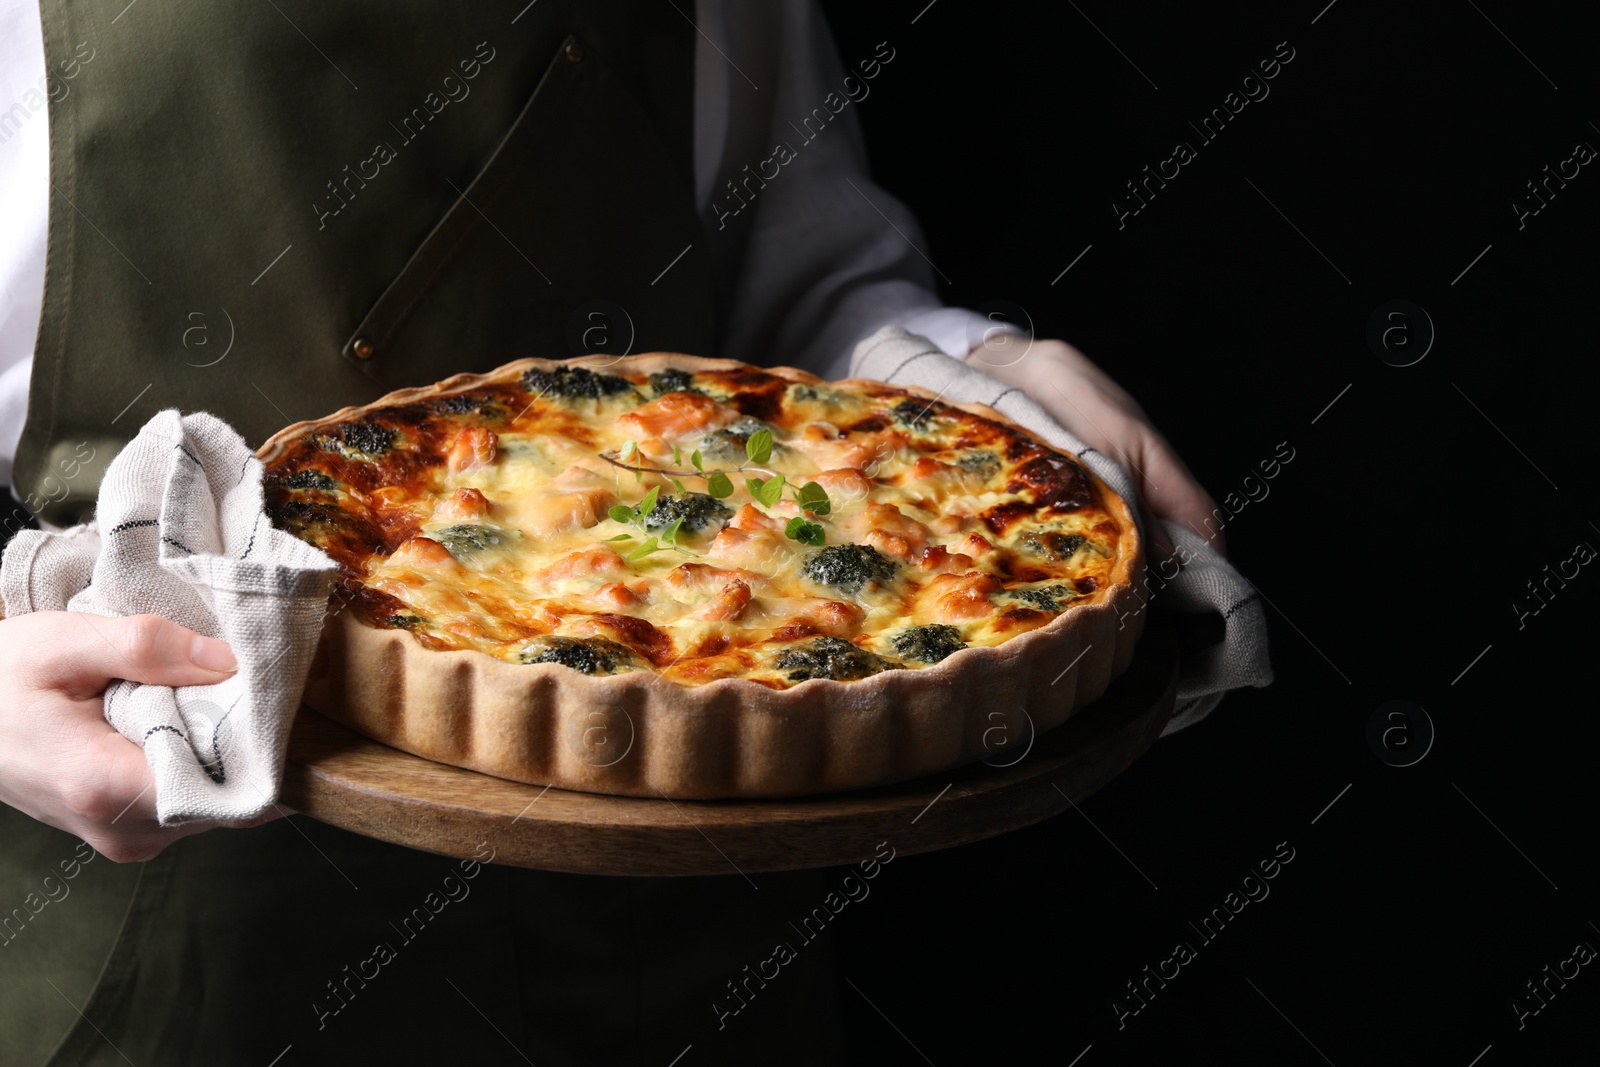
(268, 212)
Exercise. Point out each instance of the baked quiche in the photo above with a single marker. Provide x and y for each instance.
(670, 575)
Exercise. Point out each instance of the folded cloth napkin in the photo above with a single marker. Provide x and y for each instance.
(1223, 636)
(179, 531)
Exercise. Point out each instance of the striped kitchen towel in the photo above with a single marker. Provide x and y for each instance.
(179, 531)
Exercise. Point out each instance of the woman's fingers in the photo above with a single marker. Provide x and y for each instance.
(78, 654)
(1173, 493)
(60, 761)
(1084, 399)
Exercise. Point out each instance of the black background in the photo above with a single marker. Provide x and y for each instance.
(1391, 549)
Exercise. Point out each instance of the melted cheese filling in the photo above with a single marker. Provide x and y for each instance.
(516, 550)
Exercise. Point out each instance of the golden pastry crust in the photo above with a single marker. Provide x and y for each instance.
(665, 730)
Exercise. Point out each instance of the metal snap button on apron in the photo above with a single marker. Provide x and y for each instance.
(574, 51)
(362, 348)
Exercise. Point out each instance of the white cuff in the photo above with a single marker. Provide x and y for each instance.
(956, 331)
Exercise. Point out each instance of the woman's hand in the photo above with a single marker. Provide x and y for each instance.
(1084, 399)
(60, 761)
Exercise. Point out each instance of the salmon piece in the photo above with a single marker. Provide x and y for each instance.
(464, 505)
(960, 597)
(936, 559)
(728, 604)
(976, 545)
(864, 451)
(468, 628)
(872, 452)
(760, 550)
(596, 561)
(845, 486)
(891, 544)
(887, 522)
(803, 616)
(752, 518)
(473, 447)
(675, 415)
(689, 578)
(837, 617)
(578, 478)
(616, 595)
(577, 498)
(422, 552)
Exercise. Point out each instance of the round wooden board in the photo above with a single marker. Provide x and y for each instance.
(340, 777)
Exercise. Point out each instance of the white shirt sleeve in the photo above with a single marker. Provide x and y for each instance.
(25, 201)
(819, 256)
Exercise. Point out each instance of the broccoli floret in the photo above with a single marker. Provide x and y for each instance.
(1045, 597)
(979, 462)
(309, 479)
(830, 657)
(849, 568)
(405, 622)
(467, 538)
(815, 393)
(914, 414)
(1055, 546)
(297, 514)
(361, 439)
(672, 381)
(697, 510)
(591, 655)
(467, 404)
(728, 442)
(928, 644)
(571, 382)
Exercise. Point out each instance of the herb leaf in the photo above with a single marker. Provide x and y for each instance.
(758, 446)
(621, 513)
(696, 461)
(809, 533)
(648, 504)
(768, 492)
(813, 498)
(719, 485)
(650, 545)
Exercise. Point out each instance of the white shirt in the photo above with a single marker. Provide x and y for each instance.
(830, 256)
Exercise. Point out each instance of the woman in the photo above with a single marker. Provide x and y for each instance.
(272, 213)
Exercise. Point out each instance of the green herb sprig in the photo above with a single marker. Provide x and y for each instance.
(811, 497)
